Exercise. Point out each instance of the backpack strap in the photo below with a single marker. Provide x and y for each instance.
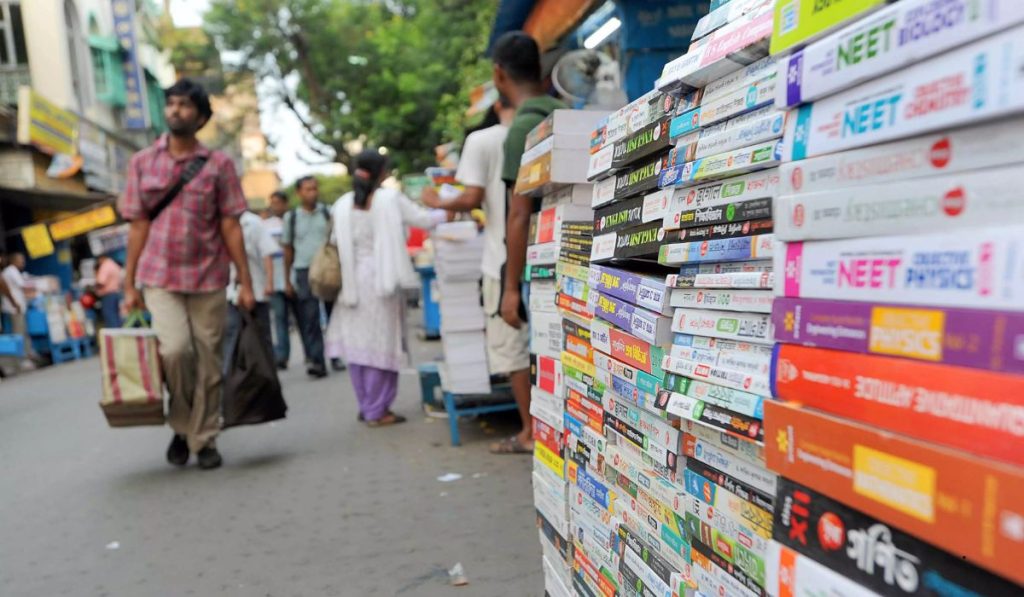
(191, 170)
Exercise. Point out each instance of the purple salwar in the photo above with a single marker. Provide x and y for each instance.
(375, 388)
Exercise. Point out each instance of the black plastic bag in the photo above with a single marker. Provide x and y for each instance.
(252, 392)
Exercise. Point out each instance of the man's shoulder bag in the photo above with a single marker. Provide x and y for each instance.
(192, 169)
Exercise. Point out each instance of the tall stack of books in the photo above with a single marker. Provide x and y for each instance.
(457, 249)
(901, 304)
(553, 171)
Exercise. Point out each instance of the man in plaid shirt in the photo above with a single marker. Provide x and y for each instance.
(179, 259)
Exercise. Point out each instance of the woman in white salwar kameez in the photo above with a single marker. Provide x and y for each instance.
(366, 326)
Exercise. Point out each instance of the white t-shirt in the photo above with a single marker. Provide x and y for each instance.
(258, 244)
(480, 166)
(16, 282)
(275, 226)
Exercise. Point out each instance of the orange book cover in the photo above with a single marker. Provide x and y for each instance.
(981, 412)
(968, 506)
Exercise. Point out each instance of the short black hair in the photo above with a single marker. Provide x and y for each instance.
(280, 195)
(186, 87)
(304, 180)
(518, 55)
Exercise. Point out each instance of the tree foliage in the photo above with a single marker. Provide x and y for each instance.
(392, 73)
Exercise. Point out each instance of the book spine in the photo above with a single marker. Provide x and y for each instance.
(736, 401)
(757, 185)
(901, 34)
(738, 102)
(747, 327)
(757, 477)
(744, 248)
(955, 89)
(905, 483)
(737, 380)
(742, 362)
(753, 301)
(967, 200)
(685, 407)
(791, 573)
(945, 270)
(723, 165)
(962, 337)
(911, 566)
(950, 406)
(756, 127)
(941, 154)
(626, 348)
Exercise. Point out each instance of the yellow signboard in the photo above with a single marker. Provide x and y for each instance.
(45, 125)
(37, 241)
(83, 222)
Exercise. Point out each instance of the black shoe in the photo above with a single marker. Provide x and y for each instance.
(338, 365)
(317, 371)
(209, 458)
(177, 452)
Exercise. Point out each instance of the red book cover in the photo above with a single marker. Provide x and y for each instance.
(981, 412)
(971, 507)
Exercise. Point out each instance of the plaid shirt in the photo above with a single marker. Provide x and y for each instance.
(185, 251)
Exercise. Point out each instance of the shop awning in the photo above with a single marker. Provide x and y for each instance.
(546, 20)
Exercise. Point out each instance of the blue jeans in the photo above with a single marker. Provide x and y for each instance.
(282, 339)
(110, 309)
(307, 314)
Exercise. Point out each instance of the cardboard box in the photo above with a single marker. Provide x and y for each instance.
(847, 541)
(645, 291)
(752, 128)
(992, 340)
(645, 325)
(757, 185)
(737, 401)
(890, 39)
(979, 412)
(743, 248)
(790, 573)
(752, 301)
(943, 270)
(969, 506)
(976, 82)
(973, 199)
(999, 143)
(723, 165)
(800, 22)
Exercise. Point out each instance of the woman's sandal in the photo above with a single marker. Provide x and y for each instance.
(387, 420)
(510, 445)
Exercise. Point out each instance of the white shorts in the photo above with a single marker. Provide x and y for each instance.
(508, 349)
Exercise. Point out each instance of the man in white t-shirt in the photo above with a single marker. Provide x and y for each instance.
(260, 249)
(479, 171)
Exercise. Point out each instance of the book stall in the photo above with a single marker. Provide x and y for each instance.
(777, 311)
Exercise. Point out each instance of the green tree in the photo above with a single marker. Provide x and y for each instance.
(392, 73)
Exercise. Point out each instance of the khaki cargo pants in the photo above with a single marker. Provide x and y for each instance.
(190, 329)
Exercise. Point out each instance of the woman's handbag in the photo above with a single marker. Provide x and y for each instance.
(325, 273)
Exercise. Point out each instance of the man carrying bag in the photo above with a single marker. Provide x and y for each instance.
(183, 202)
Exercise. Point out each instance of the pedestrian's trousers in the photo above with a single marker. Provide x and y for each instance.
(190, 329)
(307, 315)
(282, 340)
(376, 390)
(110, 307)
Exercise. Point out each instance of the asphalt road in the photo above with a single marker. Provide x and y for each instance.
(315, 505)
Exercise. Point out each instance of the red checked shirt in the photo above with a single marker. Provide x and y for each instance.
(185, 251)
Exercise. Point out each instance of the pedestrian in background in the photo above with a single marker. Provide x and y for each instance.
(183, 202)
(15, 303)
(260, 248)
(274, 223)
(306, 229)
(366, 328)
(110, 290)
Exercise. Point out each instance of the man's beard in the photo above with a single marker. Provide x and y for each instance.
(182, 128)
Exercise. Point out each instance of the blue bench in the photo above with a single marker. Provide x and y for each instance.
(462, 405)
(70, 350)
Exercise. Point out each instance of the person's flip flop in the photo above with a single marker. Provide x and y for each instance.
(510, 445)
(386, 420)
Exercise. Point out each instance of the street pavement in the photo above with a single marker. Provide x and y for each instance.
(314, 505)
